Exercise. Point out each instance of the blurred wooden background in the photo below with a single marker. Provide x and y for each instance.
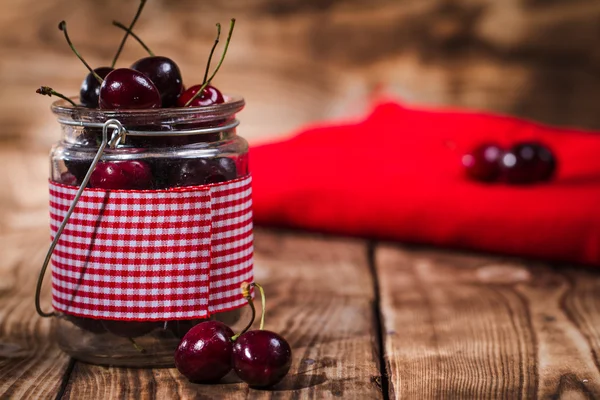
(298, 61)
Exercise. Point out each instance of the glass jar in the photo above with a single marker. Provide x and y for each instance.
(200, 147)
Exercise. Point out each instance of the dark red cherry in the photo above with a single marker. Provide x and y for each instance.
(90, 87)
(546, 163)
(129, 329)
(528, 162)
(210, 95)
(87, 324)
(204, 354)
(165, 75)
(261, 358)
(126, 88)
(222, 169)
(483, 163)
(67, 178)
(122, 175)
(202, 172)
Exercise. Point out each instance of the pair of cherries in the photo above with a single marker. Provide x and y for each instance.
(523, 163)
(210, 350)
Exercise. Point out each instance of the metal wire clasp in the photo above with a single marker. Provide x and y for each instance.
(117, 136)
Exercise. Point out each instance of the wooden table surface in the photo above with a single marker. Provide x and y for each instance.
(365, 320)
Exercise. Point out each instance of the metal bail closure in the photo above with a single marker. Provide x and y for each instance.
(118, 135)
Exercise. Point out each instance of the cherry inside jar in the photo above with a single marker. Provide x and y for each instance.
(199, 147)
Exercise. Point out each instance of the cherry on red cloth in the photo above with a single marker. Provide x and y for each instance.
(397, 175)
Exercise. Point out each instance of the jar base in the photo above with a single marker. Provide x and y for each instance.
(151, 345)
(142, 354)
(142, 361)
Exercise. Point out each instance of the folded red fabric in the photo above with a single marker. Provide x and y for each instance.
(397, 175)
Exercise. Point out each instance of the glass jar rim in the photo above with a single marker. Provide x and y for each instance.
(152, 116)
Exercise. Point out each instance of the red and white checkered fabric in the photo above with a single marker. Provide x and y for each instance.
(152, 254)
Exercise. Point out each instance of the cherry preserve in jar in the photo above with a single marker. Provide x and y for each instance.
(159, 238)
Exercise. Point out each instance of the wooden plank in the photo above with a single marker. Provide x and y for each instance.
(31, 365)
(319, 296)
(458, 326)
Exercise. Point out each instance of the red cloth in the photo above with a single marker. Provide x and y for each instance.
(397, 175)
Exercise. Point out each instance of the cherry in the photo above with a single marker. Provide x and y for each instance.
(90, 87)
(68, 178)
(129, 329)
(122, 175)
(162, 71)
(528, 162)
(210, 95)
(261, 358)
(165, 75)
(202, 172)
(204, 354)
(546, 163)
(126, 88)
(120, 88)
(483, 163)
(223, 169)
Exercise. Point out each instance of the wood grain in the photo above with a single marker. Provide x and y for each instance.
(300, 61)
(31, 365)
(460, 326)
(319, 296)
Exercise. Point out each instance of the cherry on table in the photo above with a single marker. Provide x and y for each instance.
(483, 162)
(90, 87)
(209, 96)
(204, 354)
(165, 75)
(261, 358)
(126, 88)
(528, 162)
(122, 175)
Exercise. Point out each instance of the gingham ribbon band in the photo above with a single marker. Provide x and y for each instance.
(152, 255)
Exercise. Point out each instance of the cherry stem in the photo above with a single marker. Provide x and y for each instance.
(137, 15)
(248, 297)
(205, 84)
(264, 305)
(211, 53)
(136, 346)
(136, 37)
(48, 91)
(63, 27)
